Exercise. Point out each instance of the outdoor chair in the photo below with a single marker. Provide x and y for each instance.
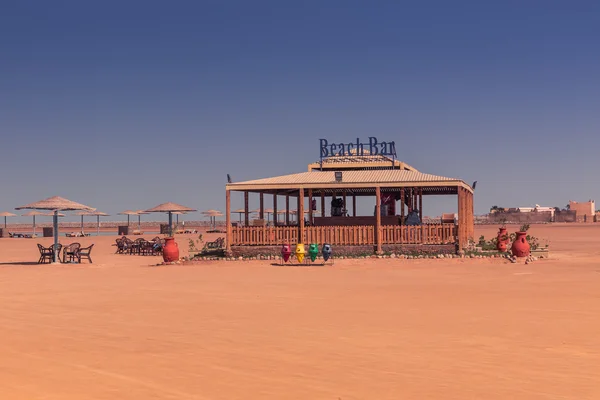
(70, 252)
(127, 245)
(120, 243)
(217, 244)
(137, 245)
(47, 253)
(147, 248)
(85, 252)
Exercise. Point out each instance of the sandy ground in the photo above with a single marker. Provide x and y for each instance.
(374, 329)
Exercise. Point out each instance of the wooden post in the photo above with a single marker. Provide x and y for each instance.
(353, 204)
(300, 216)
(310, 208)
(421, 204)
(462, 242)
(378, 218)
(275, 214)
(322, 202)
(261, 208)
(228, 220)
(287, 210)
(344, 199)
(246, 211)
(402, 201)
(471, 210)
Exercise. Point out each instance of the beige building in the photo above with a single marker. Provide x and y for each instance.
(585, 210)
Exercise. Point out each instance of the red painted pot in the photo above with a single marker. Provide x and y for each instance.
(286, 251)
(502, 244)
(520, 247)
(171, 250)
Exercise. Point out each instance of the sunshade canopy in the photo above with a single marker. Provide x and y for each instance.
(170, 207)
(56, 203)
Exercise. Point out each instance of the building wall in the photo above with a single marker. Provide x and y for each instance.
(585, 210)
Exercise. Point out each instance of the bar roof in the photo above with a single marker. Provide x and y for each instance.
(350, 179)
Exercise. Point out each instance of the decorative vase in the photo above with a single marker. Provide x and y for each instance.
(313, 251)
(171, 250)
(520, 247)
(327, 251)
(502, 244)
(300, 252)
(286, 251)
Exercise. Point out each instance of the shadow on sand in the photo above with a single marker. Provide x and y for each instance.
(21, 263)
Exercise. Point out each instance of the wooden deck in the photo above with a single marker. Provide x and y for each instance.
(344, 235)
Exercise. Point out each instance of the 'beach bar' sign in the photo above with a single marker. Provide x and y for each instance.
(374, 148)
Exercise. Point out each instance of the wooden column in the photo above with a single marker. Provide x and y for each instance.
(421, 204)
(287, 209)
(261, 208)
(402, 200)
(300, 216)
(344, 199)
(310, 208)
(275, 214)
(378, 218)
(471, 211)
(322, 202)
(462, 234)
(353, 204)
(246, 211)
(228, 220)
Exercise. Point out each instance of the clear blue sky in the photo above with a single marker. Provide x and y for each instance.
(129, 104)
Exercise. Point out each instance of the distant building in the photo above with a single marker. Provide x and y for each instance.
(525, 209)
(585, 211)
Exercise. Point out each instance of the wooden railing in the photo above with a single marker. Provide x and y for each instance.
(344, 235)
(422, 234)
(340, 235)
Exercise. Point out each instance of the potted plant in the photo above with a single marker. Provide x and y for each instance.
(520, 246)
(502, 239)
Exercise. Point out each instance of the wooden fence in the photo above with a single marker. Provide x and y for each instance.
(344, 235)
(422, 234)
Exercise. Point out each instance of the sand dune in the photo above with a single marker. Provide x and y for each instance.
(362, 329)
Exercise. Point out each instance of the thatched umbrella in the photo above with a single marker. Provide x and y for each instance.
(56, 204)
(139, 213)
(96, 214)
(177, 214)
(6, 214)
(170, 208)
(128, 213)
(34, 214)
(213, 214)
(239, 211)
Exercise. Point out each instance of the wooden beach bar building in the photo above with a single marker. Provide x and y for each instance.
(326, 196)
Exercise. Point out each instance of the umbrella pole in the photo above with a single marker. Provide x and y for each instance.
(82, 224)
(98, 227)
(127, 220)
(170, 224)
(5, 223)
(139, 222)
(34, 225)
(55, 236)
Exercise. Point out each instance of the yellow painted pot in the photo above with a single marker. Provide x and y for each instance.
(300, 252)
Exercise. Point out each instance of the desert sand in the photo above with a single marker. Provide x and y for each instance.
(122, 328)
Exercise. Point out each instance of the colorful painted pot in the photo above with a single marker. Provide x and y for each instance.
(520, 247)
(286, 251)
(171, 250)
(300, 252)
(327, 252)
(502, 242)
(313, 251)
